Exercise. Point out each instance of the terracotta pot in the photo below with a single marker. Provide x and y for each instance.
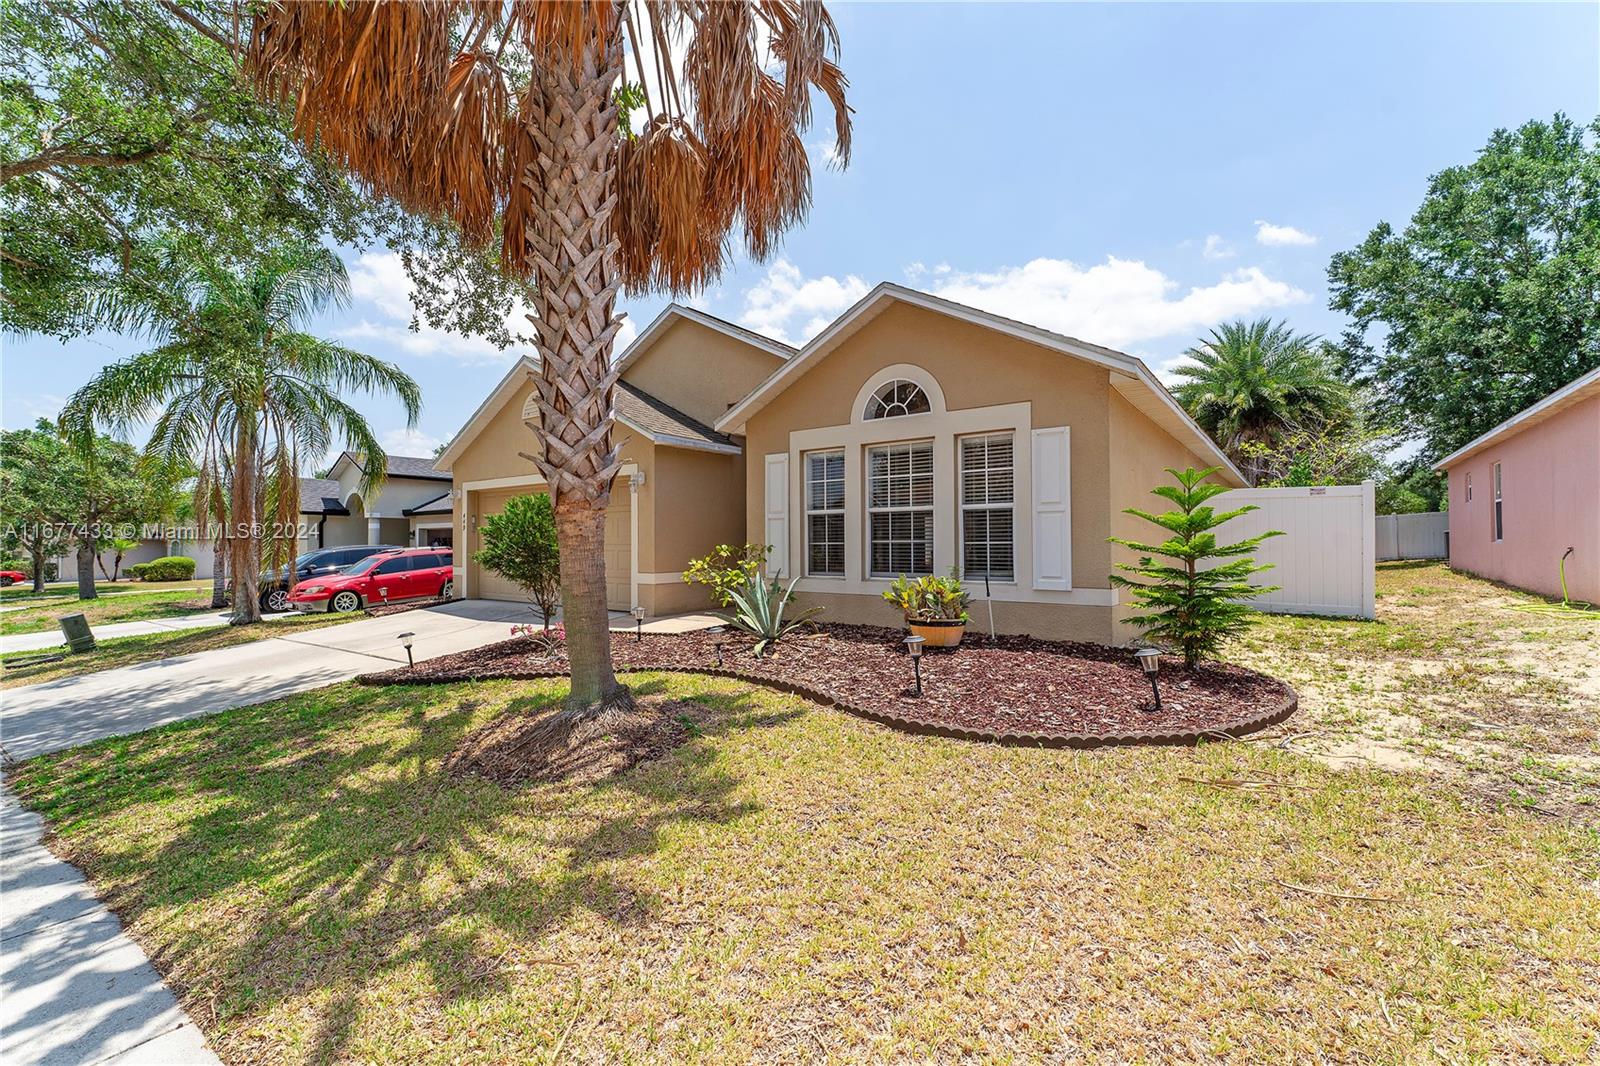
(944, 633)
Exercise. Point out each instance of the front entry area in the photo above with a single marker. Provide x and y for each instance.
(486, 584)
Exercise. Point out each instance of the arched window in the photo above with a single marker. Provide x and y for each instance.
(898, 397)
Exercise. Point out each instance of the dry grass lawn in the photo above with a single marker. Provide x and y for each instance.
(793, 884)
(128, 602)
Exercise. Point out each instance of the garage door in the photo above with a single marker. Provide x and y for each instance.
(619, 550)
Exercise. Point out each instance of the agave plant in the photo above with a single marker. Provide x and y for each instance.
(760, 611)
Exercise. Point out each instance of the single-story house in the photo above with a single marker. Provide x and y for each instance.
(1529, 489)
(680, 490)
(913, 435)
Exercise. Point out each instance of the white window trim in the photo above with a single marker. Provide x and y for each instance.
(805, 494)
(1469, 486)
(1497, 504)
(944, 427)
(929, 509)
(964, 507)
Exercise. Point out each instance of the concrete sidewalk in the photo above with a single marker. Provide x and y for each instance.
(51, 638)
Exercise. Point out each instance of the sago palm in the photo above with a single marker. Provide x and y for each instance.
(243, 394)
(1251, 381)
(515, 119)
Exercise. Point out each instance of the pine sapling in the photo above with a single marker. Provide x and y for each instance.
(1187, 604)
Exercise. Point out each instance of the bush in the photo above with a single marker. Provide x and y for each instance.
(519, 544)
(727, 570)
(929, 599)
(1196, 609)
(167, 568)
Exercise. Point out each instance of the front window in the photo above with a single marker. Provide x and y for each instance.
(898, 398)
(825, 514)
(988, 497)
(900, 509)
(1499, 513)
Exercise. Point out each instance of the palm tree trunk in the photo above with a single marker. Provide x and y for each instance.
(244, 529)
(219, 572)
(573, 123)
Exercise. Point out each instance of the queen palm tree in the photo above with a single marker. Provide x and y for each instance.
(516, 121)
(243, 394)
(1250, 382)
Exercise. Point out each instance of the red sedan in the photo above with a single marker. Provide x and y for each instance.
(413, 574)
(11, 577)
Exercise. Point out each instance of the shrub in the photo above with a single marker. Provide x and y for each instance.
(519, 544)
(727, 569)
(760, 611)
(1193, 608)
(135, 571)
(167, 568)
(929, 598)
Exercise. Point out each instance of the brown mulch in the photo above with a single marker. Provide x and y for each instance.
(379, 610)
(1014, 689)
(524, 749)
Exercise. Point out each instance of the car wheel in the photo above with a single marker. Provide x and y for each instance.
(275, 600)
(449, 590)
(345, 601)
(7, 582)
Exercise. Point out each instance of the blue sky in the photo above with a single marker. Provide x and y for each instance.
(1129, 174)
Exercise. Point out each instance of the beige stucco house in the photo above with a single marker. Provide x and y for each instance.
(912, 435)
(680, 491)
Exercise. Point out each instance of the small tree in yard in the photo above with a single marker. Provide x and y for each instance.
(520, 545)
(1193, 607)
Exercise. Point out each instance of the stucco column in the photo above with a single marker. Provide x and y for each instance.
(374, 531)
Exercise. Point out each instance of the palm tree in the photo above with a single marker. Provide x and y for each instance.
(243, 394)
(1250, 382)
(515, 120)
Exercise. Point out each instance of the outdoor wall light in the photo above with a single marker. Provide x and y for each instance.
(638, 622)
(406, 638)
(914, 646)
(1150, 663)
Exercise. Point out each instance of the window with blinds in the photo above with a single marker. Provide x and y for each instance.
(988, 507)
(825, 514)
(900, 509)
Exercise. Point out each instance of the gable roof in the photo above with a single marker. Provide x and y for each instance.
(406, 466)
(440, 504)
(1572, 392)
(320, 495)
(1129, 376)
(673, 312)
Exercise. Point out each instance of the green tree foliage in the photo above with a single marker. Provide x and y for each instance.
(241, 389)
(1250, 384)
(1411, 487)
(727, 570)
(1490, 298)
(128, 127)
(519, 544)
(38, 500)
(1191, 605)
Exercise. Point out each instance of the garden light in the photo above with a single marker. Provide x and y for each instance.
(1150, 663)
(914, 646)
(719, 652)
(406, 638)
(638, 621)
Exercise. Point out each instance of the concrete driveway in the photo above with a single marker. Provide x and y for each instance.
(60, 714)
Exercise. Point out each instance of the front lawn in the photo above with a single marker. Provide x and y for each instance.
(794, 884)
(148, 647)
(127, 603)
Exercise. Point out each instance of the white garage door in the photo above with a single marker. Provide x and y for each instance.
(619, 549)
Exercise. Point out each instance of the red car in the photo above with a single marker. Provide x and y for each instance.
(11, 577)
(412, 574)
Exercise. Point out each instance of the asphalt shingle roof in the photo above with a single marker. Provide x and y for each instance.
(654, 416)
(320, 495)
(440, 504)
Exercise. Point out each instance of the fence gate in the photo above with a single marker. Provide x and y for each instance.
(1325, 559)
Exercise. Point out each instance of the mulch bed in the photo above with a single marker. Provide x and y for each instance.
(379, 610)
(1016, 690)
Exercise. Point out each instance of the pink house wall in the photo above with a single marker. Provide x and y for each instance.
(1550, 489)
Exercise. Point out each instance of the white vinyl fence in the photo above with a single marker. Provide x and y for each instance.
(1325, 559)
(1413, 536)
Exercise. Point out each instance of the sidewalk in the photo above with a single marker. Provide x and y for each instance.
(51, 638)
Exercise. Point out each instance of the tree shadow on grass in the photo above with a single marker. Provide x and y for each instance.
(328, 850)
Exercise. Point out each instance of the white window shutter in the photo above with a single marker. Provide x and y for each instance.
(777, 512)
(1052, 509)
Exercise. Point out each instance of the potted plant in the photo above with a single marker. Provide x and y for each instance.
(935, 608)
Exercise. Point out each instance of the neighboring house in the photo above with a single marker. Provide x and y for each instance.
(680, 490)
(915, 435)
(912, 435)
(412, 506)
(1529, 489)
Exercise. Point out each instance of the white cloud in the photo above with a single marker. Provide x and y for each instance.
(1217, 248)
(1119, 302)
(378, 281)
(789, 307)
(409, 442)
(1274, 235)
